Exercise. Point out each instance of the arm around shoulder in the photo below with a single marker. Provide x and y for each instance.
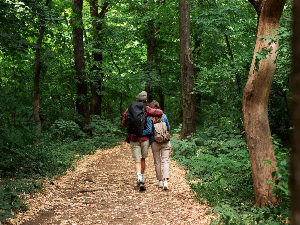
(153, 112)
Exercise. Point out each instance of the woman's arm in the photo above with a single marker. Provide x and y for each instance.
(165, 119)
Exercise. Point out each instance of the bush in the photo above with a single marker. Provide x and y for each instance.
(23, 167)
(220, 176)
(221, 162)
(106, 133)
(62, 130)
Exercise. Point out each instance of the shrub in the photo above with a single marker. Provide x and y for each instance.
(220, 176)
(62, 129)
(221, 162)
(23, 167)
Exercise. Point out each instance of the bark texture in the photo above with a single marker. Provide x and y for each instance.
(295, 155)
(38, 68)
(151, 44)
(160, 91)
(186, 70)
(96, 86)
(255, 102)
(81, 100)
(121, 88)
(237, 78)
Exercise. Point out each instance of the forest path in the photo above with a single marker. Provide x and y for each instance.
(102, 190)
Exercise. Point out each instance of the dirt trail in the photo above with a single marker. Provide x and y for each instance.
(102, 190)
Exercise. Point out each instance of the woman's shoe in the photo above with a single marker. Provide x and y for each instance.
(165, 185)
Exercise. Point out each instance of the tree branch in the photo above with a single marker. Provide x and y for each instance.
(257, 4)
(103, 10)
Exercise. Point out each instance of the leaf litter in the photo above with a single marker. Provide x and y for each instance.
(102, 190)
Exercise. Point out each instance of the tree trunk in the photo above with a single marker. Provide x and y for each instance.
(121, 106)
(121, 87)
(161, 93)
(38, 68)
(81, 99)
(186, 69)
(255, 102)
(96, 85)
(295, 155)
(237, 78)
(150, 57)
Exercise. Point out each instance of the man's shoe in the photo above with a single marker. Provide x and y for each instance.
(160, 183)
(142, 186)
(165, 185)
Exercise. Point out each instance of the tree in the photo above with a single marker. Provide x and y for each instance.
(186, 70)
(38, 68)
(81, 100)
(295, 155)
(151, 44)
(255, 100)
(96, 85)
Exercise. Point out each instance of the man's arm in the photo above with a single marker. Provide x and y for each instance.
(148, 127)
(124, 119)
(153, 112)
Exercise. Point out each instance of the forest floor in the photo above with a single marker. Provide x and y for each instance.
(102, 190)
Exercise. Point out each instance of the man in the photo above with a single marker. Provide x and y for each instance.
(139, 145)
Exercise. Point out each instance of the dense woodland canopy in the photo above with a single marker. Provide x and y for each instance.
(69, 70)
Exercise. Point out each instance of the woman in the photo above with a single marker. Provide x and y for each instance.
(160, 151)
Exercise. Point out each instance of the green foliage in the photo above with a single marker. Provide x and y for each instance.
(223, 36)
(281, 180)
(281, 173)
(279, 104)
(9, 202)
(62, 130)
(220, 176)
(220, 161)
(229, 215)
(261, 56)
(23, 168)
(106, 133)
(47, 159)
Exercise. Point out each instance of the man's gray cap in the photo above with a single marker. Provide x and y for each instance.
(142, 96)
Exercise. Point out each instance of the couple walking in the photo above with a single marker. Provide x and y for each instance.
(139, 144)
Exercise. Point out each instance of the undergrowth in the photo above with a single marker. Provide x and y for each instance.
(220, 176)
(23, 169)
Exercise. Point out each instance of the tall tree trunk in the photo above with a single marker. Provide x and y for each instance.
(81, 100)
(96, 85)
(186, 69)
(237, 78)
(150, 56)
(161, 93)
(38, 68)
(121, 87)
(255, 102)
(295, 155)
(151, 44)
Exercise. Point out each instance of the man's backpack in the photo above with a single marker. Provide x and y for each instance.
(135, 118)
(161, 134)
